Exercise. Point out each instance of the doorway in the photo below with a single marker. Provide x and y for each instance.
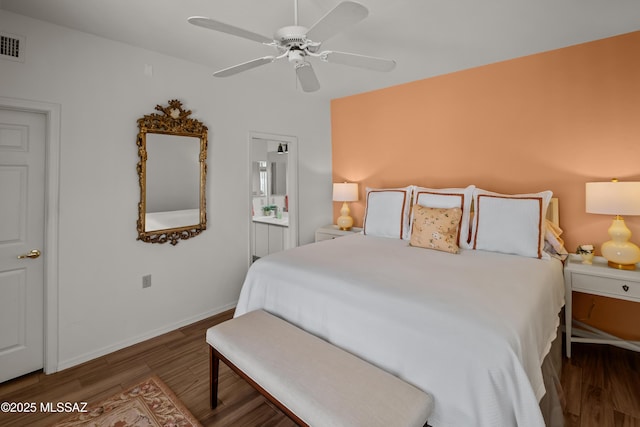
(273, 193)
(49, 169)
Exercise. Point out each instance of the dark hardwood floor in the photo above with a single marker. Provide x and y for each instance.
(602, 386)
(601, 383)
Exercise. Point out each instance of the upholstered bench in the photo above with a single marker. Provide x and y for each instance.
(315, 383)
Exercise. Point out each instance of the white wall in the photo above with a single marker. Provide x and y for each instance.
(102, 89)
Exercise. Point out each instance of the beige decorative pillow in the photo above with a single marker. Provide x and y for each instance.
(436, 228)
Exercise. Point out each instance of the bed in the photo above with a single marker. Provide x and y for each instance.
(171, 219)
(471, 328)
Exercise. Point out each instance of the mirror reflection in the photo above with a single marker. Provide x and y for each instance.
(173, 182)
(270, 198)
(172, 173)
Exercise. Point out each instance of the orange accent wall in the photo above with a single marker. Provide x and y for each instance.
(553, 120)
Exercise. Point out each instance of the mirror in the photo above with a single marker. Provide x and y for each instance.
(279, 175)
(172, 172)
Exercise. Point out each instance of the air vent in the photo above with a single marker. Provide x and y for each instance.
(11, 47)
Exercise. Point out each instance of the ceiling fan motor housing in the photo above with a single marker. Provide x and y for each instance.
(293, 35)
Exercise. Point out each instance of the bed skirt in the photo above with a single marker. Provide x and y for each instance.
(552, 403)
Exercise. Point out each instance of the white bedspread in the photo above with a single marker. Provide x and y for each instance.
(471, 329)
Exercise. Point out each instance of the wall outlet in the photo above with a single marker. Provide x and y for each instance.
(146, 281)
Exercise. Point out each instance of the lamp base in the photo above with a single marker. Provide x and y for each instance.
(344, 221)
(619, 251)
(621, 266)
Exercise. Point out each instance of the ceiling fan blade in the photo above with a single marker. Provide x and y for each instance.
(244, 66)
(307, 77)
(340, 17)
(355, 60)
(212, 24)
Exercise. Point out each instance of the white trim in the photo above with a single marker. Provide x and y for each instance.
(52, 192)
(64, 364)
(292, 184)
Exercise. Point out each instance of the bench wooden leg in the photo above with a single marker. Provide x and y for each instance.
(214, 367)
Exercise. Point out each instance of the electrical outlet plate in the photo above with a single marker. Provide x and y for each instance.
(146, 281)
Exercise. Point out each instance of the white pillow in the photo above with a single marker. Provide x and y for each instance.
(387, 212)
(510, 223)
(448, 198)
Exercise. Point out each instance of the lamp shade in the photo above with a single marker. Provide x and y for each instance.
(345, 192)
(616, 198)
(613, 198)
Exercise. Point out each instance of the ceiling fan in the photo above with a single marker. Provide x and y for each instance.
(298, 43)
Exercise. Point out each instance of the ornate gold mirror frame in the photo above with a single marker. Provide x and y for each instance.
(169, 127)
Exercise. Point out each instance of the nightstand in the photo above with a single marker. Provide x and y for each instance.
(598, 279)
(332, 231)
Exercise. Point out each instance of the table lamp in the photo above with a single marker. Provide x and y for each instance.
(345, 192)
(616, 198)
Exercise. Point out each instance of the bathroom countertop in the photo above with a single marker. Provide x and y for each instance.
(282, 222)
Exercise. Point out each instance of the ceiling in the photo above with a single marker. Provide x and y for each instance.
(425, 37)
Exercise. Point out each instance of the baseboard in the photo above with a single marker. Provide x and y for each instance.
(66, 364)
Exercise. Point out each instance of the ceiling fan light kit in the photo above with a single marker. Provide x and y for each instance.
(297, 44)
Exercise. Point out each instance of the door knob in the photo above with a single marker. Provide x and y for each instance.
(33, 254)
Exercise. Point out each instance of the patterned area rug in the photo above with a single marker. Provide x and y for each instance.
(148, 404)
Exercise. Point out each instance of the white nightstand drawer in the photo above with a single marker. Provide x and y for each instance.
(324, 236)
(603, 285)
(329, 232)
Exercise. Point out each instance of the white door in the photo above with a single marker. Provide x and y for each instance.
(22, 159)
